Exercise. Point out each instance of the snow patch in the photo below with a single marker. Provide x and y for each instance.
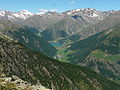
(2, 13)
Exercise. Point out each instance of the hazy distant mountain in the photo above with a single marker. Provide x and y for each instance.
(87, 13)
(108, 22)
(36, 68)
(90, 14)
(69, 22)
(16, 16)
(64, 28)
(73, 22)
(41, 22)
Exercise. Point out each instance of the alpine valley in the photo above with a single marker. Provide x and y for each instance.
(74, 50)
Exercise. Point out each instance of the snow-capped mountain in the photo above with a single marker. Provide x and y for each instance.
(23, 14)
(16, 15)
(89, 13)
(2, 13)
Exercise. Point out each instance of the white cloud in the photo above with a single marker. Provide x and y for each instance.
(43, 10)
(48, 10)
(72, 2)
(54, 10)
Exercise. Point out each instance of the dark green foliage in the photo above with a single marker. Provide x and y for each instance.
(84, 47)
(27, 36)
(50, 35)
(108, 41)
(33, 42)
(103, 48)
(33, 67)
(74, 37)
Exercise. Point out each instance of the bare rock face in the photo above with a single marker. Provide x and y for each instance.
(15, 82)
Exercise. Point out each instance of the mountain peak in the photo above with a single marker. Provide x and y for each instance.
(25, 12)
(2, 13)
(88, 9)
(89, 13)
(83, 9)
(22, 14)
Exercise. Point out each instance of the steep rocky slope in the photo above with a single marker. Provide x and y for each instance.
(108, 22)
(34, 67)
(41, 22)
(87, 21)
(60, 25)
(27, 36)
(68, 26)
(15, 83)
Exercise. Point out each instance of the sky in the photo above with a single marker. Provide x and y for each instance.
(58, 5)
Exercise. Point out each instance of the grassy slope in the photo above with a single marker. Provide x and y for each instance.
(99, 54)
(108, 41)
(61, 54)
(100, 51)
